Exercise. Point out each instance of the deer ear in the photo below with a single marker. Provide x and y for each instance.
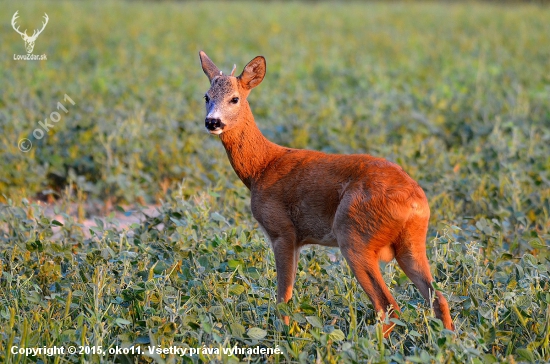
(209, 68)
(253, 73)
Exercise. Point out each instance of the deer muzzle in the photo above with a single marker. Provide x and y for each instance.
(213, 125)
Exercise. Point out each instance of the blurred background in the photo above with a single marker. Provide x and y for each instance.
(458, 93)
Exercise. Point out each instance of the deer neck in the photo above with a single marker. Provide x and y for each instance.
(248, 150)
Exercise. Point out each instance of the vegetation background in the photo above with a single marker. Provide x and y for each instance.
(458, 94)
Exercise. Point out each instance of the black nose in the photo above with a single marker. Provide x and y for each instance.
(212, 124)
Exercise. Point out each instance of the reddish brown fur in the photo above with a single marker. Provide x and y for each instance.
(367, 206)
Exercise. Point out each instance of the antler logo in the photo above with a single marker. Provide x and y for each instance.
(29, 41)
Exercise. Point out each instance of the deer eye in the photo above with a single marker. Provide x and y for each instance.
(234, 100)
(206, 98)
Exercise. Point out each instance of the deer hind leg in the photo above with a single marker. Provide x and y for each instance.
(411, 256)
(363, 256)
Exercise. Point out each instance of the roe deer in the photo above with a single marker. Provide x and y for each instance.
(367, 206)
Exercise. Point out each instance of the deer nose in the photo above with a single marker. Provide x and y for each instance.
(212, 123)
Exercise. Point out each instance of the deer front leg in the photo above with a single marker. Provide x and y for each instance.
(286, 263)
(282, 235)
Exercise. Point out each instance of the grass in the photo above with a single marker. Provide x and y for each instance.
(459, 95)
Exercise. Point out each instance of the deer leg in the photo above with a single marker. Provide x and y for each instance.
(366, 231)
(412, 258)
(286, 263)
(364, 262)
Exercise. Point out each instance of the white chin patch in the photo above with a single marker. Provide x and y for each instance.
(216, 132)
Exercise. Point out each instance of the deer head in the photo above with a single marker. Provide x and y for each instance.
(226, 100)
(29, 41)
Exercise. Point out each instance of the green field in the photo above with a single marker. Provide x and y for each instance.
(457, 94)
